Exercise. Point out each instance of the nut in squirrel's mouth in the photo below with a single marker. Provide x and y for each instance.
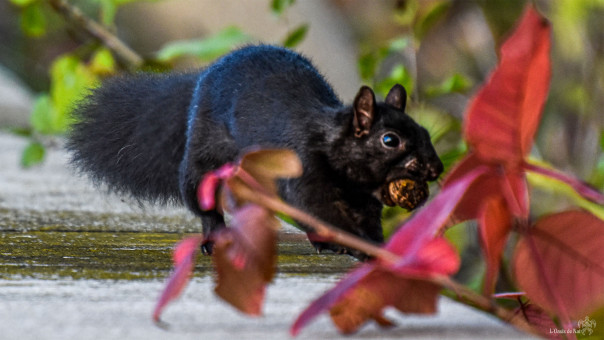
(404, 192)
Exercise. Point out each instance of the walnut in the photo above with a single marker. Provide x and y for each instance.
(405, 193)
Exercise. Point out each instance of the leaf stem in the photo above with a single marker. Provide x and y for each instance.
(324, 229)
(466, 295)
(75, 16)
(579, 186)
(478, 301)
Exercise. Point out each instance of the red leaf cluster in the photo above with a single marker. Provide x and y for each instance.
(488, 185)
(245, 257)
(499, 126)
(245, 254)
(558, 261)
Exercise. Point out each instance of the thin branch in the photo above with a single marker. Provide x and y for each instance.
(248, 189)
(473, 299)
(465, 295)
(75, 16)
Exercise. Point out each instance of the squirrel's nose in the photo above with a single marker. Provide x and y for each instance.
(426, 170)
(434, 169)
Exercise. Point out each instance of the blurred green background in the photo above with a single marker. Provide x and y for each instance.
(440, 50)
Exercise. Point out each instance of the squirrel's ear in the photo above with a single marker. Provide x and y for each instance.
(397, 97)
(364, 111)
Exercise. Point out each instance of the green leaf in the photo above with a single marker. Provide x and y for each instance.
(295, 37)
(438, 123)
(70, 81)
(392, 219)
(398, 75)
(21, 131)
(288, 220)
(450, 157)
(108, 11)
(102, 62)
(22, 3)
(370, 62)
(32, 155)
(367, 64)
(459, 236)
(457, 83)
(397, 45)
(206, 49)
(33, 22)
(279, 6)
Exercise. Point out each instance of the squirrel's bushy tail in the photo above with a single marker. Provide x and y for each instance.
(130, 133)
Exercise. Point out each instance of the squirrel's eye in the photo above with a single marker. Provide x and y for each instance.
(391, 140)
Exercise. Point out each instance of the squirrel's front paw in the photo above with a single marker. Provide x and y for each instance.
(321, 246)
(207, 247)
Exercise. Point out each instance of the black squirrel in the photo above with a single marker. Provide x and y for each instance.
(155, 135)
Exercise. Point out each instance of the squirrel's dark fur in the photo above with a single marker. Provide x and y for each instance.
(154, 136)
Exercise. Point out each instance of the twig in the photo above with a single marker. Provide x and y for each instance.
(75, 16)
(473, 299)
(466, 296)
(247, 188)
(326, 230)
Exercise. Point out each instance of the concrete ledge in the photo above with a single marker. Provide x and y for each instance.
(69, 303)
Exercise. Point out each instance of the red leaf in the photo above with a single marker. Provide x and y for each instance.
(435, 257)
(377, 290)
(184, 256)
(257, 169)
(366, 291)
(487, 185)
(401, 287)
(559, 263)
(494, 227)
(245, 258)
(206, 190)
(328, 299)
(515, 191)
(538, 319)
(531, 313)
(497, 182)
(503, 117)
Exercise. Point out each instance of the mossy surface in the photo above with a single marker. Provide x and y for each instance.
(119, 255)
